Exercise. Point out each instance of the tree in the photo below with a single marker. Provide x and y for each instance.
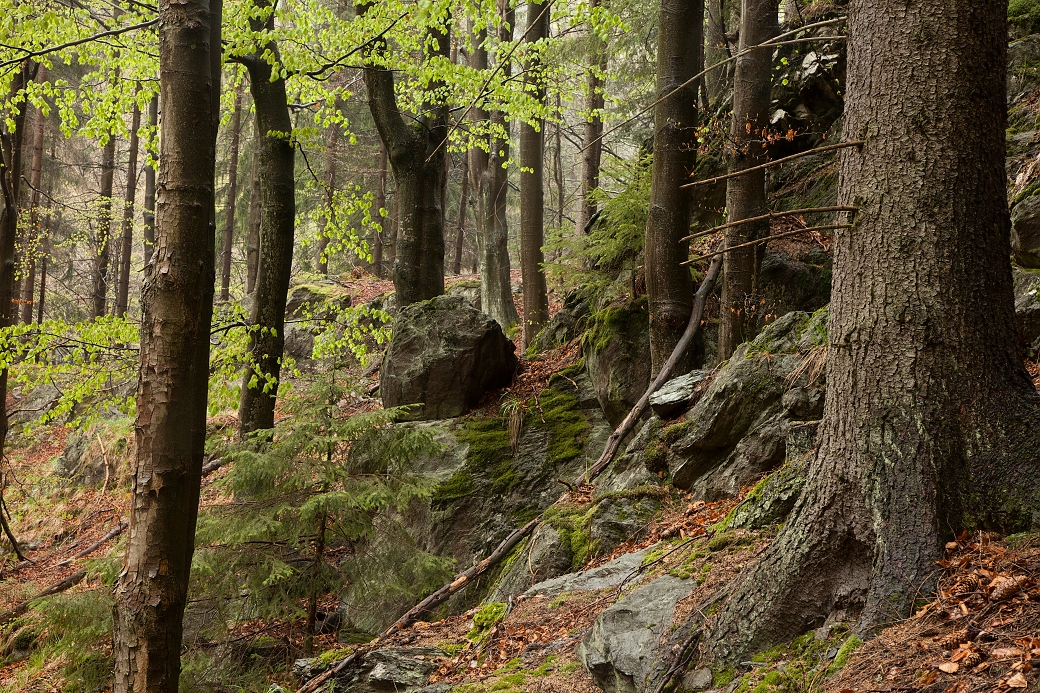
(532, 182)
(379, 205)
(32, 234)
(149, 187)
(746, 194)
(232, 197)
(253, 222)
(127, 239)
(99, 293)
(277, 160)
(930, 420)
(177, 305)
(460, 225)
(416, 149)
(331, 145)
(669, 285)
(593, 135)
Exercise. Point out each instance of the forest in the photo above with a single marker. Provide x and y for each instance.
(474, 346)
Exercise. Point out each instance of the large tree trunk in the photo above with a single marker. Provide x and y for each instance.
(149, 188)
(593, 135)
(496, 291)
(32, 234)
(331, 145)
(717, 49)
(746, 194)
(378, 205)
(277, 228)
(99, 291)
(460, 227)
(127, 241)
(253, 222)
(416, 149)
(232, 198)
(532, 186)
(669, 285)
(177, 305)
(931, 421)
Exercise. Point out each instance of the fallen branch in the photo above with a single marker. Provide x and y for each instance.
(776, 162)
(116, 531)
(614, 441)
(212, 466)
(430, 603)
(771, 215)
(765, 240)
(57, 587)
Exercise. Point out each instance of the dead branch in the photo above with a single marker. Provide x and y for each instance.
(777, 162)
(57, 587)
(116, 531)
(614, 441)
(771, 215)
(765, 240)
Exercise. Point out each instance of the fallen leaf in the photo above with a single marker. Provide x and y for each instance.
(1017, 681)
(1000, 652)
(949, 667)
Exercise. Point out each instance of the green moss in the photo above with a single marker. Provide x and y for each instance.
(670, 434)
(720, 541)
(645, 491)
(558, 413)
(625, 319)
(489, 465)
(450, 648)
(460, 485)
(545, 667)
(569, 667)
(567, 374)
(485, 619)
(702, 575)
(1025, 14)
(844, 652)
(655, 457)
(573, 522)
(723, 676)
(329, 657)
(512, 665)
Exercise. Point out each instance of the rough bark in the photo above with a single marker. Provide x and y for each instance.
(32, 234)
(746, 194)
(253, 222)
(669, 285)
(378, 205)
(232, 197)
(717, 49)
(460, 227)
(277, 228)
(532, 184)
(496, 291)
(99, 290)
(149, 188)
(331, 146)
(177, 303)
(416, 149)
(127, 240)
(592, 139)
(930, 422)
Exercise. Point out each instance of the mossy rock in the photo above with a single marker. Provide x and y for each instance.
(616, 348)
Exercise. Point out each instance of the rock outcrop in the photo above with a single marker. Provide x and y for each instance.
(443, 357)
(617, 355)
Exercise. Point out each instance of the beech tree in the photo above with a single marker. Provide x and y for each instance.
(103, 229)
(669, 284)
(127, 225)
(593, 128)
(32, 234)
(232, 197)
(746, 194)
(177, 306)
(930, 420)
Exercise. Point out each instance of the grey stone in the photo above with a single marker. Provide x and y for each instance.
(320, 299)
(1027, 304)
(402, 669)
(617, 358)
(1025, 232)
(617, 520)
(625, 640)
(607, 575)
(568, 322)
(444, 356)
(677, 395)
(697, 680)
(468, 290)
(308, 667)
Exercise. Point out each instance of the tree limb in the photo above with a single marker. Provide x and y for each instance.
(719, 253)
(56, 588)
(777, 162)
(771, 215)
(71, 44)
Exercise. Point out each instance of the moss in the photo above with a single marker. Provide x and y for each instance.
(329, 657)
(655, 457)
(485, 619)
(567, 374)
(720, 541)
(844, 652)
(723, 676)
(569, 667)
(545, 667)
(670, 434)
(450, 648)
(489, 465)
(572, 522)
(702, 575)
(512, 665)
(644, 491)
(460, 485)
(1024, 14)
(558, 413)
(616, 319)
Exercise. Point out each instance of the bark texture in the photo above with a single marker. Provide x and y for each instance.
(99, 290)
(532, 184)
(149, 188)
(416, 149)
(277, 229)
(592, 139)
(931, 421)
(232, 197)
(460, 226)
(717, 49)
(378, 206)
(32, 234)
(177, 303)
(669, 285)
(746, 194)
(253, 222)
(127, 238)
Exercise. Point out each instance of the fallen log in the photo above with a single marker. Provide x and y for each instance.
(116, 531)
(57, 587)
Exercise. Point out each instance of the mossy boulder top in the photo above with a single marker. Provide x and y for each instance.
(444, 356)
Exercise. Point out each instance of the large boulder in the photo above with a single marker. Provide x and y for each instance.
(625, 640)
(1027, 304)
(444, 356)
(402, 669)
(617, 355)
(1025, 232)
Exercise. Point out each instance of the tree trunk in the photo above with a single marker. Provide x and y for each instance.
(394, 225)
(532, 185)
(496, 291)
(277, 227)
(746, 195)
(149, 188)
(716, 49)
(127, 245)
(930, 419)
(232, 198)
(99, 293)
(253, 223)
(416, 150)
(592, 140)
(32, 234)
(669, 285)
(177, 304)
(460, 230)
(379, 205)
(331, 145)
